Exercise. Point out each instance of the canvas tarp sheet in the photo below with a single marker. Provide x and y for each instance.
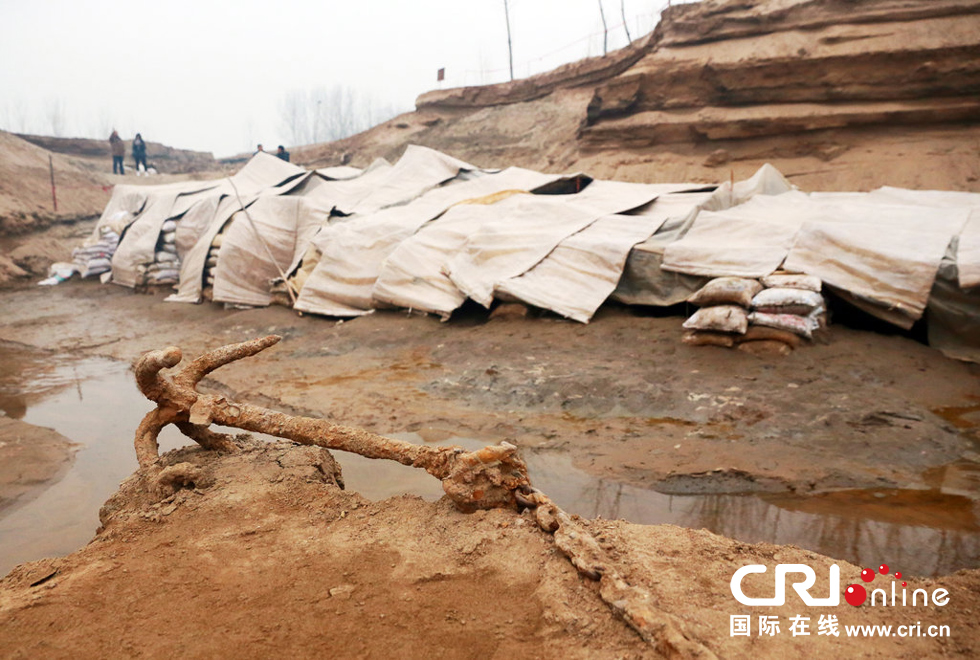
(264, 176)
(354, 252)
(339, 172)
(585, 268)
(581, 272)
(258, 247)
(954, 320)
(139, 243)
(382, 185)
(415, 275)
(643, 281)
(968, 252)
(881, 252)
(528, 229)
(876, 249)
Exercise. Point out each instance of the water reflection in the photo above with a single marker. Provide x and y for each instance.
(837, 528)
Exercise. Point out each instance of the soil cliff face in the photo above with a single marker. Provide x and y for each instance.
(838, 94)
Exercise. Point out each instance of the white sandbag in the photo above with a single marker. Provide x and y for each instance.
(726, 291)
(792, 281)
(800, 325)
(165, 256)
(787, 301)
(169, 226)
(169, 237)
(96, 266)
(720, 318)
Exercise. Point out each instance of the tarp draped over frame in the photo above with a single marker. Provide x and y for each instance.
(139, 242)
(431, 230)
(258, 247)
(353, 253)
(871, 246)
(528, 228)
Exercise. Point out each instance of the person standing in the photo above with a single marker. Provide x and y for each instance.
(118, 151)
(139, 153)
(282, 153)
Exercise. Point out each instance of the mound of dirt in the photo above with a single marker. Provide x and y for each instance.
(31, 458)
(260, 553)
(26, 202)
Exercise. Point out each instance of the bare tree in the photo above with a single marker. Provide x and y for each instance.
(16, 116)
(249, 134)
(330, 113)
(56, 116)
(294, 115)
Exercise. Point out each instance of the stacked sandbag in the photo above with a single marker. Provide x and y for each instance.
(211, 267)
(773, 316)
(165, 268)
(723, 317)
(96, 259)
(785, 313)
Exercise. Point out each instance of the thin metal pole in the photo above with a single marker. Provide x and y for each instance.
(605, 30)
(622, 9)
(510, 49)
(54, 195)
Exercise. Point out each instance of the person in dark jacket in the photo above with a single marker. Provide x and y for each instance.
(139, 152)
(118, 151)
(282, 153)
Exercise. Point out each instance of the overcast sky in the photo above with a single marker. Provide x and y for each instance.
(212, 76)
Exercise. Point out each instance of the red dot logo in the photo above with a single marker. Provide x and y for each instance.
(898, 575)
(867, 575)
(883, 569)
(855, 595)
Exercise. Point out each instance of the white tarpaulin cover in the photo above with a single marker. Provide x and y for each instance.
(382, 185)
(584, 269)
(353, 253)
(138, 245)
(236, 193)
(870, 246)
(416, 273)
(528, 228)
(259, 245)
(884, 254)
(968, 251)
(581, 272)
(643, 282)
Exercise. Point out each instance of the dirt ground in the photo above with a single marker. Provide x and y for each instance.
(266, 555)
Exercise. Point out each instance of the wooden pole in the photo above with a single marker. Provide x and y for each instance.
(605, 30)
(510, 49)
(54, 196)
(622, 10)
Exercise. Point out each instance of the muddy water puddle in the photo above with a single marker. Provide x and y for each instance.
(94, 402)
